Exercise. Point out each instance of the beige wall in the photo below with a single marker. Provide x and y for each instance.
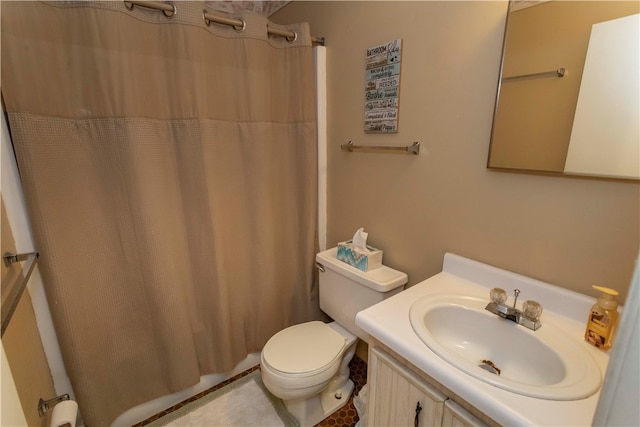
(568, 231)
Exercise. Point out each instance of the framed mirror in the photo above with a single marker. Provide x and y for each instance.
(568, 96)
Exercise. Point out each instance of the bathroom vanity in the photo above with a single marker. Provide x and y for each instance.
(427, 344)
(402, 395)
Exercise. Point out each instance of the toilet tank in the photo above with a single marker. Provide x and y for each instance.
(345, 290)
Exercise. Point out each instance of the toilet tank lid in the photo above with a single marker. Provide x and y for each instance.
(382, 279)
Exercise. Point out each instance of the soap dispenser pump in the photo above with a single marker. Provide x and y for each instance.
(603, 319)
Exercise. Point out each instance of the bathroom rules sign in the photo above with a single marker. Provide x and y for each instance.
(382, 87)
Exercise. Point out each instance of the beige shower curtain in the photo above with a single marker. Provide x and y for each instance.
(170, 172)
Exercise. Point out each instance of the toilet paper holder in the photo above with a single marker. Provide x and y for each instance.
(45, 405)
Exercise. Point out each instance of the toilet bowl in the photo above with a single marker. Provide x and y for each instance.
(301, 360)
(307, 365)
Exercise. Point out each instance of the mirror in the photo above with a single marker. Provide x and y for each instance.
(567, 101)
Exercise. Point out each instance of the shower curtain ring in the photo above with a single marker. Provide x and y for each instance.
(170, 13)
(293, 38)
(240, 28)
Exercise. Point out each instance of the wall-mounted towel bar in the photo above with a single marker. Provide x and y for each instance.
(10, 304)
(552, 73)
(413, 148)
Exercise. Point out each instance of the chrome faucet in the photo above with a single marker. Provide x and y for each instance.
(529, 315)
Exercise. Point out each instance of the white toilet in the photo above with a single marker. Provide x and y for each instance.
(307, 365)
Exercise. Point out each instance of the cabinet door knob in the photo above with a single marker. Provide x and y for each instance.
(416, 420)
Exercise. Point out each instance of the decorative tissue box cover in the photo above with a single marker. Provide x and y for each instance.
(356, 257)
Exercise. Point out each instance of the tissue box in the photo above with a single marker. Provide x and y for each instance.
(358, 258)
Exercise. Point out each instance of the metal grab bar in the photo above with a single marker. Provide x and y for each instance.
(413, 148)
(9, 306)
(552, 73)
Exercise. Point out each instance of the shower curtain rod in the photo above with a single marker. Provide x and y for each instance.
(169, 10)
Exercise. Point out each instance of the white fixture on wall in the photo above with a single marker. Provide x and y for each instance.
(605, 139)
(320, 62)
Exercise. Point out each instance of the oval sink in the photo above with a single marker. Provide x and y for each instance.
(545, 364)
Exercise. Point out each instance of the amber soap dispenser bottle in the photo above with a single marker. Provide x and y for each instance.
(603, 319)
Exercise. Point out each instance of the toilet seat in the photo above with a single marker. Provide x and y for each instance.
(303, 349)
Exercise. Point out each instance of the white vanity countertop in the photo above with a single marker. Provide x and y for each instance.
(388, 322)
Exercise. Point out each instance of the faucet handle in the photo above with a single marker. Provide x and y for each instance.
(532, 310)
(498, 295)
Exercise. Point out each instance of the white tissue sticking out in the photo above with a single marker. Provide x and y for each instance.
(64, 413)
(360, 239)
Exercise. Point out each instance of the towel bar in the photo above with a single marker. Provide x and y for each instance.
(9, 306)
(413, 148)
(553, 73)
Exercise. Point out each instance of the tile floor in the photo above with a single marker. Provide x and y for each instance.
(194, 398)
(345, 417)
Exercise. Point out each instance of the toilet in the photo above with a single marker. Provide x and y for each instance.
(307, 365)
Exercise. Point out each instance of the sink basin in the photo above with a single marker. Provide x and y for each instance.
(545, 364)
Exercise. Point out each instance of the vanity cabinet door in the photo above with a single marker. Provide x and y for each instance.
(397, 396)
(456, 416)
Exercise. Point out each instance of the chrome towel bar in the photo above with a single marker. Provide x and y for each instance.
(413, 148)
(553, 73)
(10, 304)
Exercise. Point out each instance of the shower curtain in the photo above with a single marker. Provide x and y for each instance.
(170, 171)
